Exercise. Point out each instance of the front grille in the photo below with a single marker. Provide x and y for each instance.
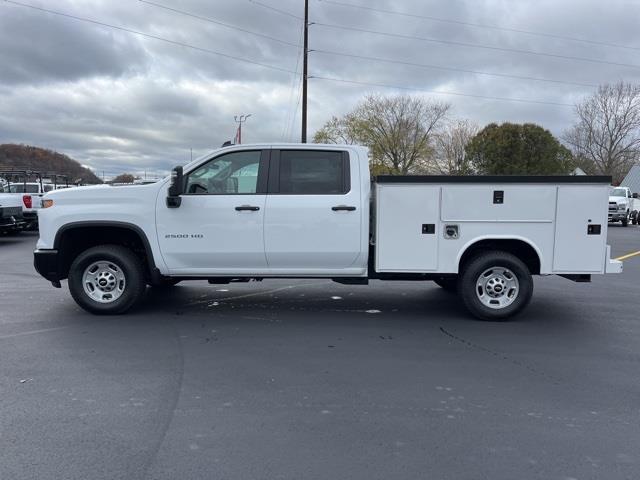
(613, 206)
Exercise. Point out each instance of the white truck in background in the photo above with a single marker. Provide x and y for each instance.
(250, 212)
(11, 219)
(623, 206)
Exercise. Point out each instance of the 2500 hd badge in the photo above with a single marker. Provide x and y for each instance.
(184, 235)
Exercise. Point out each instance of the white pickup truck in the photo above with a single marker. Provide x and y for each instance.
(623, 206)
(311, 211)
(11, 219)
(30, 194)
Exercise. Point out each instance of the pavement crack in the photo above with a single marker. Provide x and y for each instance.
(501, 356)
(171, 410)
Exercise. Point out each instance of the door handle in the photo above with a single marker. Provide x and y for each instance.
(249, 208)
(346, 208)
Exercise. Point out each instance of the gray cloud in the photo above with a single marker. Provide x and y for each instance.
(121, 102)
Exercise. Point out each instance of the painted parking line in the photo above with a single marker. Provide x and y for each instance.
(628, 255)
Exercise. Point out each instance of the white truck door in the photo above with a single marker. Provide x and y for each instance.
(408, 227)
(218, 227)
(313, 218)
(581, 229)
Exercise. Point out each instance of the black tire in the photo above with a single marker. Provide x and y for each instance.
(625, 221)
(448, 284)
(124, 259)
(479, 265)
(634, 217)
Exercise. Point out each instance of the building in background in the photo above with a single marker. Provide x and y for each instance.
(632, 180)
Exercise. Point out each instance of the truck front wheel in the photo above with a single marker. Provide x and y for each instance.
(107, 279)
(625, 220)
(495, 285)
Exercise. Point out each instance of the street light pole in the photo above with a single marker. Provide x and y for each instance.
(304, 71)
(240, 120)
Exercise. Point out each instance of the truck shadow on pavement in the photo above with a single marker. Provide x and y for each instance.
(333, 304)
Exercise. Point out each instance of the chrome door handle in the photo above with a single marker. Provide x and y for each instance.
(345, 208)
(249, 208)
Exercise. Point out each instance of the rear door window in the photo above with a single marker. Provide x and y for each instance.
(309, 172)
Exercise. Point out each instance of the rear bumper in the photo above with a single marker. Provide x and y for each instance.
(612, 265)
(47, 264)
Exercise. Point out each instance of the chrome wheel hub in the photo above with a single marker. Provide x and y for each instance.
(497, 287)
(104, 281)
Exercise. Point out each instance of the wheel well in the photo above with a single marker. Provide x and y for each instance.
(519, 248)
(75, 240)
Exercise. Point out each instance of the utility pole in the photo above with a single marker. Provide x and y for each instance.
(240, 120)
(304, 71)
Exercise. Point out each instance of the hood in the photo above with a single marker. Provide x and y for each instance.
(622, 200)
(103, 193)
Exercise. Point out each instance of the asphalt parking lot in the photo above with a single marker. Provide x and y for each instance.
(315, 380)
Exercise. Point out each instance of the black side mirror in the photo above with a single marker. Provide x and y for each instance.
(635, 195)
(176, 188)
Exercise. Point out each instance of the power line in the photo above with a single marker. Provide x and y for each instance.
(475, 45)
(186, 45)
(283, 12)
(217, 22)
(454, 69)
(458, 94)
(481, 25)
(147, 35)
(294, 77)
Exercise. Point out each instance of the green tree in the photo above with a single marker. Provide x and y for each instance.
(399, 130)
(518, 149)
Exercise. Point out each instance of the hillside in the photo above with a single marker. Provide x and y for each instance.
(40, 159)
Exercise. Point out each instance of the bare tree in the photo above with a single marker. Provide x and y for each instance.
(399, 131)
(606, 136)
(451, 156)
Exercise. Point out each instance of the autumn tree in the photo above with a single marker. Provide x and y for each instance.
(518, 149)
(45, 161)
(399, 131)
(450, 144)
(125, 178)
(606, 136)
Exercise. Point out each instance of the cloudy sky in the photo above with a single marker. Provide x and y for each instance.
(119, 101)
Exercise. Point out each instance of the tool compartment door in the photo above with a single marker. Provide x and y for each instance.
(578, 248)
(407, 228)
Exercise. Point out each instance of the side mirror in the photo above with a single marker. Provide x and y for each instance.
(635, 195)
(176, 188)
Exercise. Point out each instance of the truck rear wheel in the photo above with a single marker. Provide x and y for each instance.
(495, 285)
(107, 279)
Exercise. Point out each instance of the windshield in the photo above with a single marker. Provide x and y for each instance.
(22, 188)
(618, 192)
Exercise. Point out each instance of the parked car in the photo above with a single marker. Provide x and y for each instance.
(311, 211)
